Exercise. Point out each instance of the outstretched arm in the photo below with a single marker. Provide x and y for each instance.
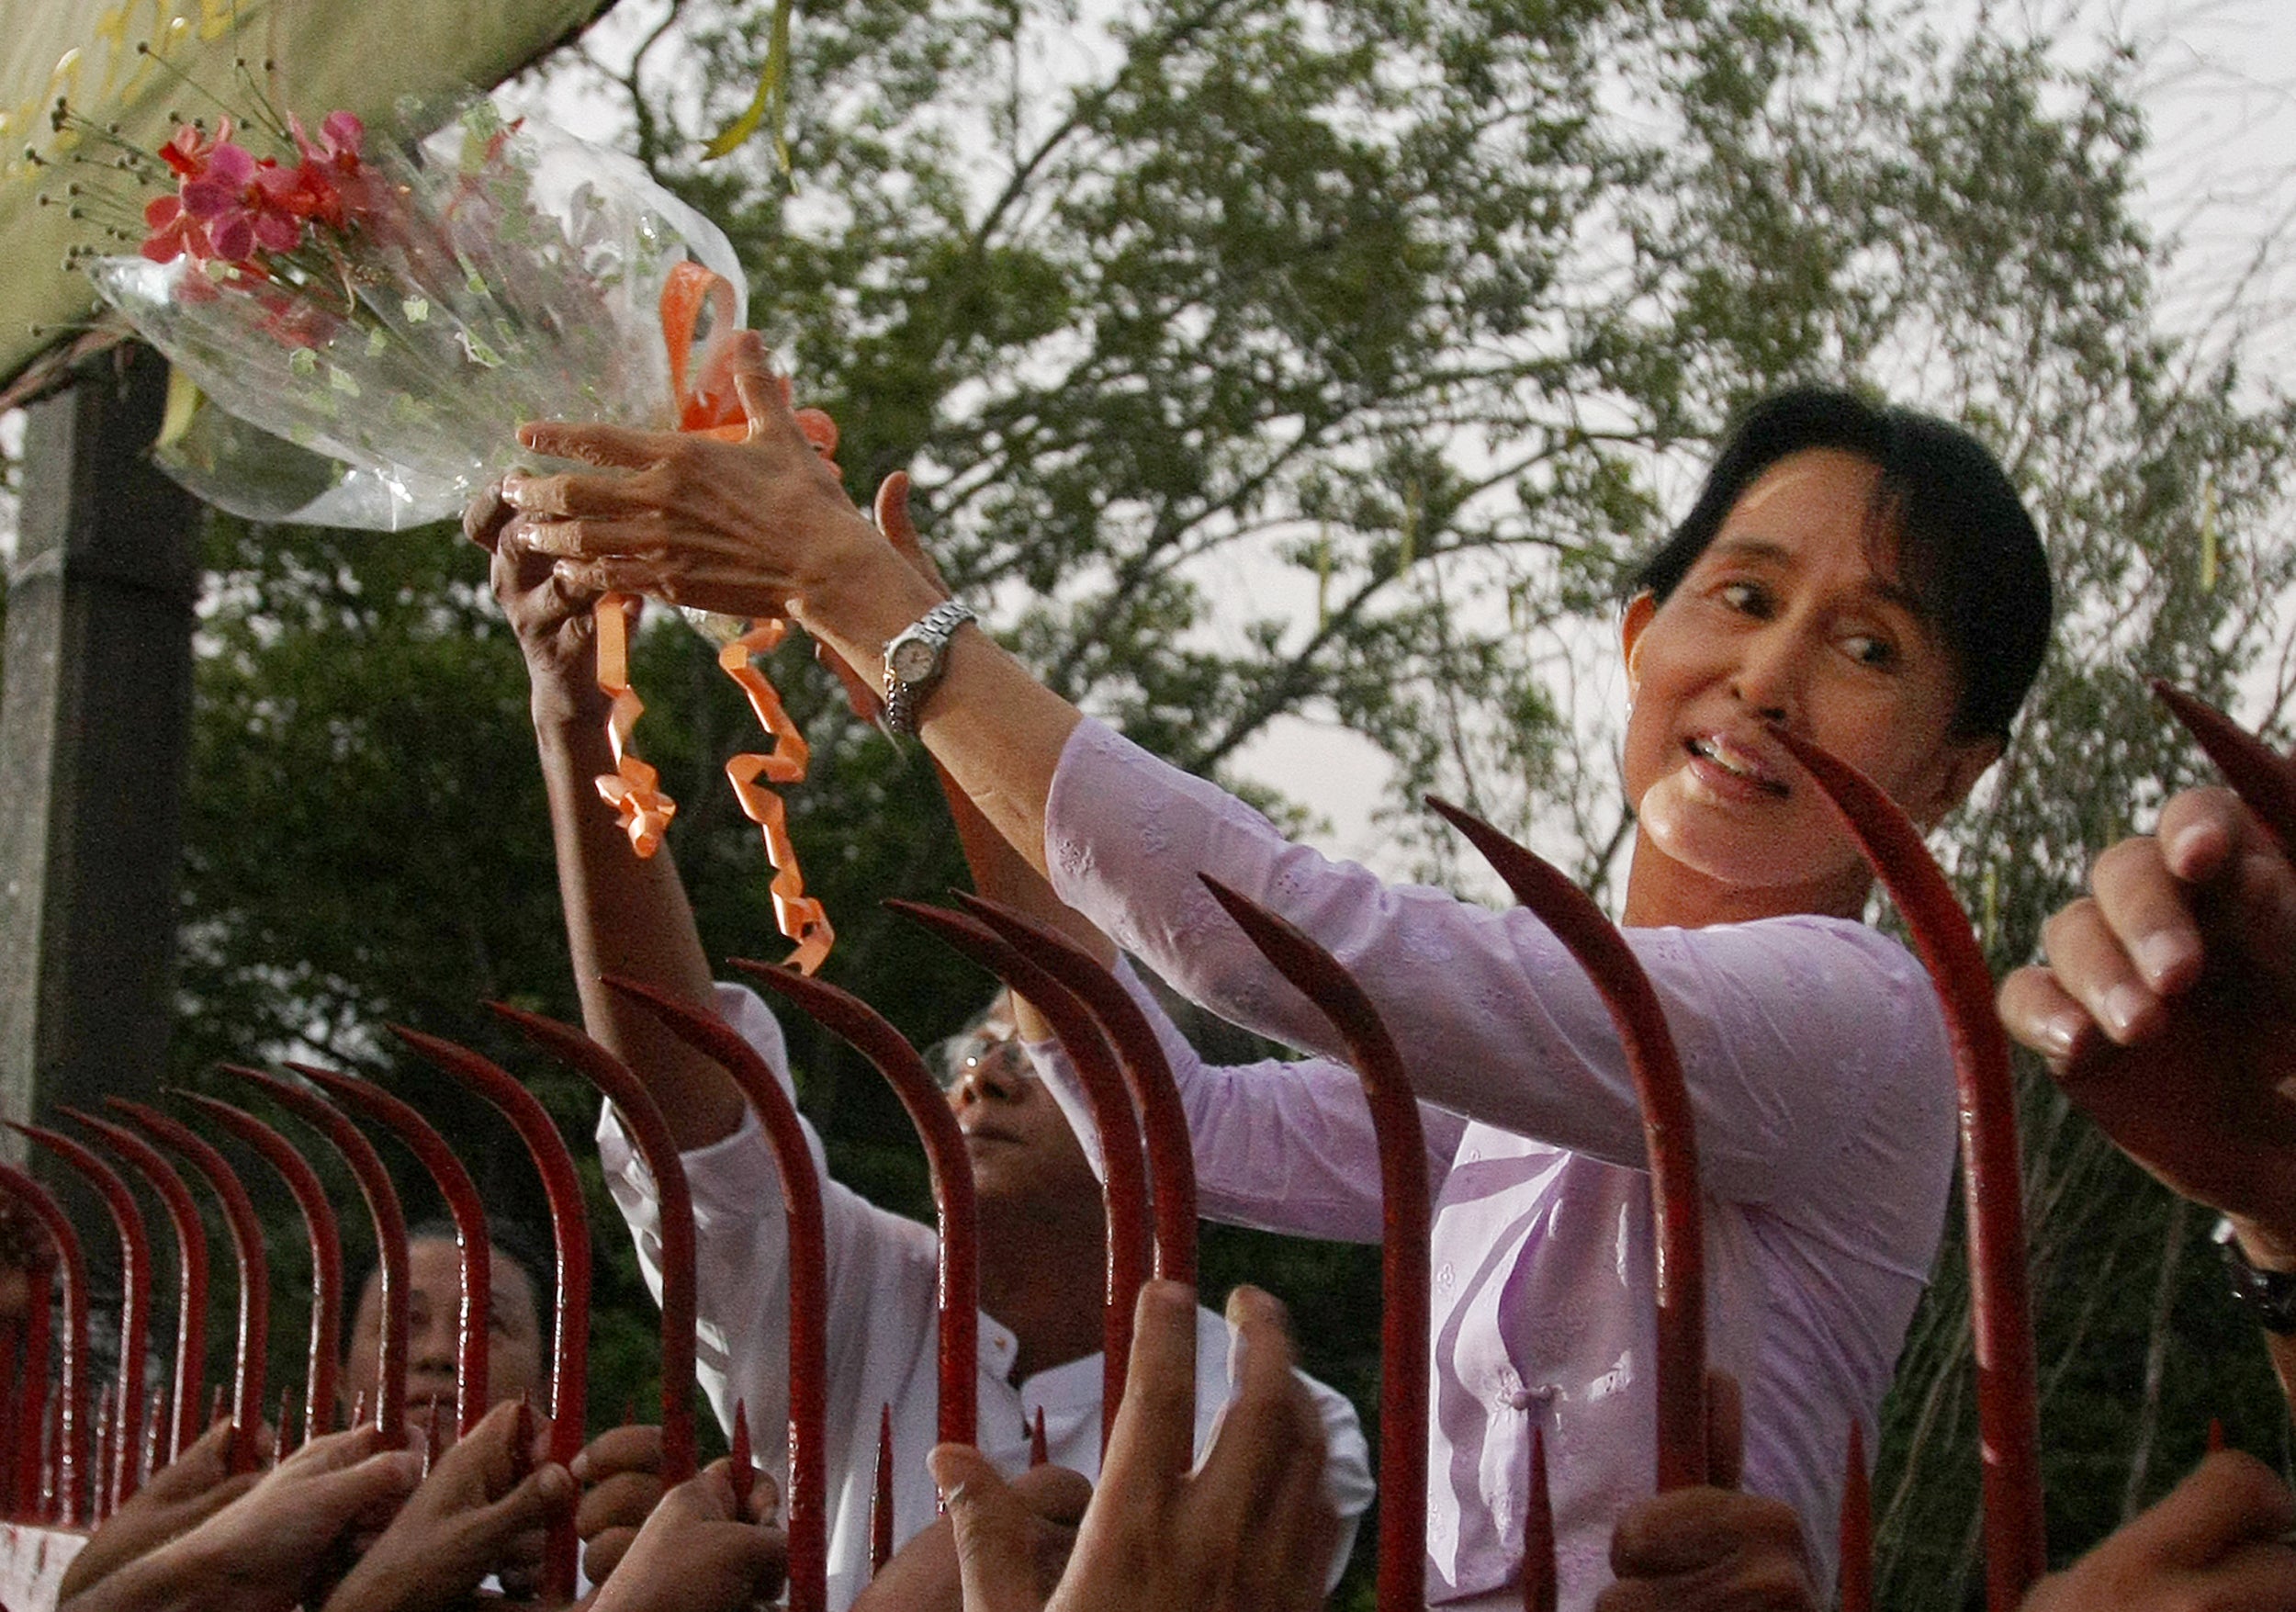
(623, 915)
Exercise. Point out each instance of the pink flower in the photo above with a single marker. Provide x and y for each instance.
(235, 199)
(187, 150)
(173, 231)
(339, 137)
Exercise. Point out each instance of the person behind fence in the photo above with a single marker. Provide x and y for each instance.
(1042, 1244)
(1863, 575)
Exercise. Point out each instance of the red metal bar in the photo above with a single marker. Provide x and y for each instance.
(390, 1238)
(649, 1132)
(18, 1371)
(1403, 1278)
(1140, 1056)
(1038, 1453)
(107, 1456)
(474, 1245)
(31, 1410)
(570, 1226)
(1669, 1131)
(71, 1416)
(805, 1504)
(251, 1353)
(2216, 1435)
(324, 1235)
(2000, 1310)
(2258, 774)
(135, 1300)
(1124, 1182)
(881, 1504)
(1857, 1529)
(951, 1169)
(1542, 1576)
(191, 1266)
(744, 1467)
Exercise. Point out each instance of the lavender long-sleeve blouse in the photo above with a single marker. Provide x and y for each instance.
(1818, 1063)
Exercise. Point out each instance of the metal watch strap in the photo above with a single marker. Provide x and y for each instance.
(905, 696)
(2268, 1296)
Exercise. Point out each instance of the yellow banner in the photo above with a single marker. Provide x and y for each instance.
(126, 62)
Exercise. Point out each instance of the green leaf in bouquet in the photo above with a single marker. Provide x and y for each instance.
(342, 381)
(303, 361)
(416, 308)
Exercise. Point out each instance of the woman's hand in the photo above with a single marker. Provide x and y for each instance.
(620, 1472)
(2167, 1011)
(473, 1515)
(700, 1552)
(756, 528)
(2219, 1540)
(181, 1495)
(552, 618)
(925, 1574)
(1250, 1530)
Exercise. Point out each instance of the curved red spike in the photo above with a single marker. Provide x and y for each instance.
(1856, 1577)
(1147, 1073)
(950, 1166)
(744, 1472)
(881, 1504)
(135, 1301)
(2258, 774)
(390, 1238)
(154, 1424)
(2216, 1435)
(570, 1226)
(1542, 1577)
(2000, 1310)
(249, 1355)
(72, 1410)
(1403, 1323)
(805, 1504)
(1124, 1183)
(1038, 1452)
(1669, 1131)
(649, 1132)
(191, 1266)
(22, 1498)
(324, 1235)
(474, 1245)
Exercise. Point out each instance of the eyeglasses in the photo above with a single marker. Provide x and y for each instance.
(1002, 1058)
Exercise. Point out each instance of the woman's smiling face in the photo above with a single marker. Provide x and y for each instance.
(1794, 615)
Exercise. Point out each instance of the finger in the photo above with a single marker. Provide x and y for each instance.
(2148, 910)
(763, 391)
(1055, 1494)
(610, 446)
(1685, 1529)
(895, 521)
(540, 1498)
(380, 1482)
(2091, 967)
(636, 536)
(623, 1498)
(602, 1552)
(330, 1452)
(2232, 1498)
(621, 1450)
(2200, 831)
(996, 1559)
(564, 496)
(1152, 1444)
(484, 516)
(1726, 1430)
(2040, 1014)
(198, 1467)
(2260, 1576)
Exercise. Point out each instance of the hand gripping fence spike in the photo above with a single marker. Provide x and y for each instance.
(191, 1265)
(389, 1401)
(1668, 1134)
(323, 1233)
(1147, 1073)
(249, 1355)
(71, 1412)
(1124, 1185)
(951, 1168)
(2001, 1311)
(474, 1245)
(570, 1227)
(135, 1304)
(807, 1519)
(649, 1132)
(2265, 783)
(1404, 1319)
(1856, 1575)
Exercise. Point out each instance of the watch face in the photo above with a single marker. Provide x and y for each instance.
(912, 660)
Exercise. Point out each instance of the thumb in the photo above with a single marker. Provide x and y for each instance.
(995, 1554)
(1726, 1430)
(900, 528)
(538, 1500)
(2230, 1499)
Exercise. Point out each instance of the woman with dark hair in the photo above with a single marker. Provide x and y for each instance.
(1863, 576)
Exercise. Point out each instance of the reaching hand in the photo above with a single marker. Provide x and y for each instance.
(2168, 1011)
(925, 1574)
(268, 1549)
(2216, 1540)
(551, 617)
(1249, 1529)
(620, 1472)
(183, 1495)
(1710, 1549)
(699, 1554)
(473, 1515)
(893, 520)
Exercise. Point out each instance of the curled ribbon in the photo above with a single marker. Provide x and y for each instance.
(707, 405)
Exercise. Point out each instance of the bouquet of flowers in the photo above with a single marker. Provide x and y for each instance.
(366, 319)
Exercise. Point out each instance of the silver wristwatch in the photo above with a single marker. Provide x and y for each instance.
(915, 659)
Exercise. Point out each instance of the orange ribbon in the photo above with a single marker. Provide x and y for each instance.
(707, 405)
